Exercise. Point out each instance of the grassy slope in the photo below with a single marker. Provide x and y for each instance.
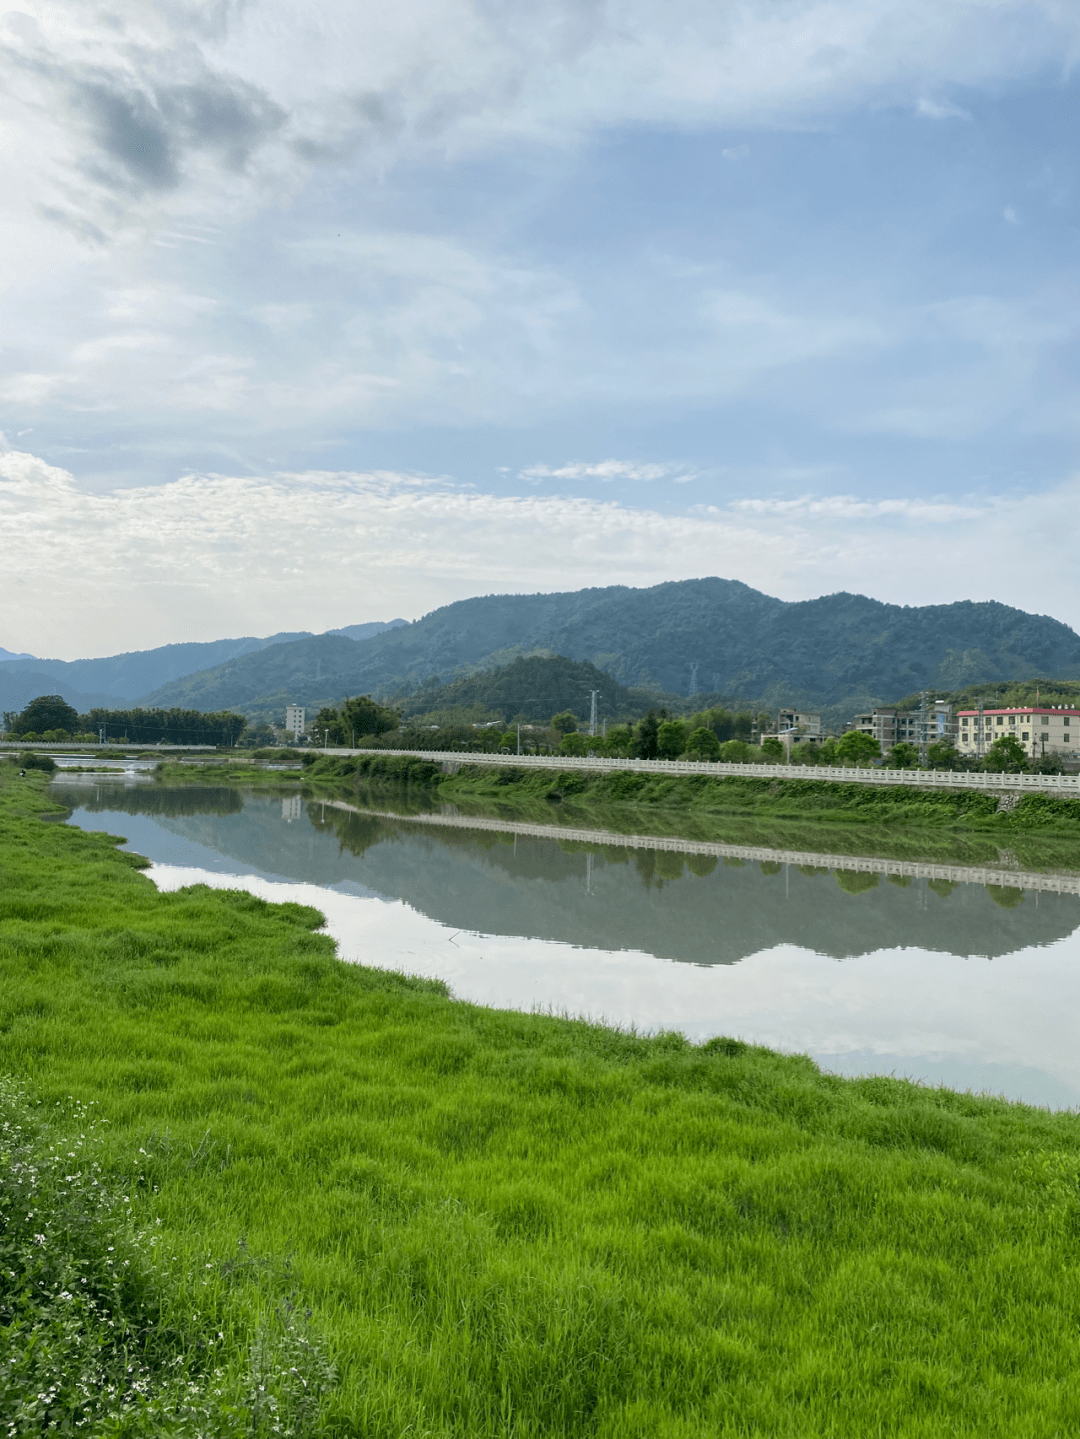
(521, 1225)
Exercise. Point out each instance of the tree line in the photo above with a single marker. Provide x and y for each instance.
(50, 717)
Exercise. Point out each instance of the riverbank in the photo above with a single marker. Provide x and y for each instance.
(511, 1224)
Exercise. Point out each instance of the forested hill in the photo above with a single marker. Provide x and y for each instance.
(534, 688)
(838, 651)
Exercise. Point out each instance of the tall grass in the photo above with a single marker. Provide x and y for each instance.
(525, 1225)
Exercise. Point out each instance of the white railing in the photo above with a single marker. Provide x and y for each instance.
(911, 778)
(862, 864)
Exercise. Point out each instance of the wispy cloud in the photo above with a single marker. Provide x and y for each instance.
(940, 110)
(607, 470)
(849, 507)
(209, 555)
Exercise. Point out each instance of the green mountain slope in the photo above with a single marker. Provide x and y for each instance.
(839, 651)
(531, 689)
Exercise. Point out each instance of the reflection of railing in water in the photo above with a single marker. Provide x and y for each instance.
(907, 869)
(452, 760)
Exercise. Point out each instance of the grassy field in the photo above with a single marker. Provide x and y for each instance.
(390, 1213)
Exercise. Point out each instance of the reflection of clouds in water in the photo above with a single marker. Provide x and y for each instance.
(1005, 1025)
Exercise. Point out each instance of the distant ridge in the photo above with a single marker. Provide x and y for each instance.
(839, 653)
(127, 676)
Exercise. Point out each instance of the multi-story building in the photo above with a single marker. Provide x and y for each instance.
(889, 725)
(802, 723)
(294, 720)
(1046, 729)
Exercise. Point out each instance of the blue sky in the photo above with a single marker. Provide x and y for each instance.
(313, 315)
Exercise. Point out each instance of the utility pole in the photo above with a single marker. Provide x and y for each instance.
(519, 751)
(924, 724)
(979, 732)
(592, 714)
(693, 679)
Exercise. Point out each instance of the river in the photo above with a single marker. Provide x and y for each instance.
(943, 980)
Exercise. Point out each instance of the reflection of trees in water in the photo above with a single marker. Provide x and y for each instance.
(942, 887)
(152, 799)
(852, 882)
(358, 832)
(1005, 895)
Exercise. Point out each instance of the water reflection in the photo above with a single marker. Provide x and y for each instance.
(704, 904)
(958, 975)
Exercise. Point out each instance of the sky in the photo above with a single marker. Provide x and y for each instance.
(313, 315)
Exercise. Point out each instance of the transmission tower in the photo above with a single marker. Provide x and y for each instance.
(693, 679)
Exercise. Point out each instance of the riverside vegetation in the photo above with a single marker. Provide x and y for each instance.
(337, 1201)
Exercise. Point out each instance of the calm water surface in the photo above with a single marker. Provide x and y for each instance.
(949, 983)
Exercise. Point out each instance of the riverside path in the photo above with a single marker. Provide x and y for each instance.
(1063, 784)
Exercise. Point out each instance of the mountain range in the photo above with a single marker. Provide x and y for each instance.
(839, 653)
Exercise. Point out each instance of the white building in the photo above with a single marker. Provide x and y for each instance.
(1040, 729)
(294, 720)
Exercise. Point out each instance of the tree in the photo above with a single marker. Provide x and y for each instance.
(47, 712)
(574, 744)
(942, 754)
(646, 743)
(364, 716)
(772, 749)
(903, 756)
(565, 722)
(670, 739)
(703, 744)
(737, 751)
(619, 741)
(1006, 756)
(857, 748)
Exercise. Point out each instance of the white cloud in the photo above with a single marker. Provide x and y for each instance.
(206, 556)
(940, 110)
(849, 507)
(606, 470)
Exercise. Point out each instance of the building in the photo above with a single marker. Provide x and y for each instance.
(802, 723)
(889, 725)
(1045, 729)
(294, 720)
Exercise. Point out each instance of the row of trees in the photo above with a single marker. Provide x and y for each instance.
(357, 720)
(51, 718)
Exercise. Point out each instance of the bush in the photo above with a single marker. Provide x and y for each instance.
(32, 760)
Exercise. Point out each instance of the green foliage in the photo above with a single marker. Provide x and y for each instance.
(99, 1333)
(943, 754)
(32, 759)
(511, 1223)
(646, 742)
(574, 744)
(356, 721)
(671, 738)
(1006, 756)
(737, 751)
(47, 712)
(703, 744)
(174, 726)
(564, 723)
(529, 688)
(856, 748)
(903, 756)
(772, 750)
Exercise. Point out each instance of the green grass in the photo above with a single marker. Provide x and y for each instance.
(523, 1225)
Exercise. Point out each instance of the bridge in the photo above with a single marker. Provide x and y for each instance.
(452, 760)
